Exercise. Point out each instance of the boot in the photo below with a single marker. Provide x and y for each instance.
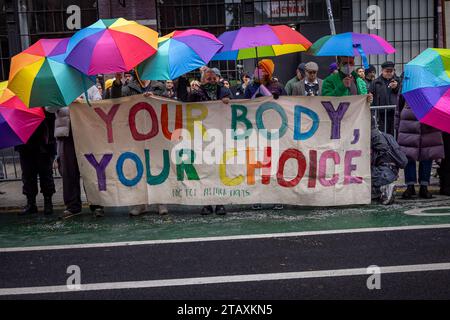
(48, 205)
(30, 208)
(409, 193)
(424, 193)
(207, 210)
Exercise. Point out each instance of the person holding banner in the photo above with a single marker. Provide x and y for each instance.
(264, 84)
(346, 82)
(384, 169)
(263, 79)
(211, 90)
(67, 159)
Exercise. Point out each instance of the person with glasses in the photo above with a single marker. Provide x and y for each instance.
(311, 86)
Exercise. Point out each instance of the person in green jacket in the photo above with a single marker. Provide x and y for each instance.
(346, 82)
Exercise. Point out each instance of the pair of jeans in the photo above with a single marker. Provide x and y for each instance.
(424, 172)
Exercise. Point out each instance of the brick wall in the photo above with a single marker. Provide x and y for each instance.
(144, 11)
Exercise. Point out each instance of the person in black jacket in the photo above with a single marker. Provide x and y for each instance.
(36, 160)
(211, 90)
(444, 167)
(385, 90)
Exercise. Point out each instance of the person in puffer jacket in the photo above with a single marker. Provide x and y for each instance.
(420, 143)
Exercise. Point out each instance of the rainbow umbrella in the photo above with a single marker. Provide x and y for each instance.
(111, 45)
(180, 52)
(426, 87)
(260, 42)
(351, 44)
(40, 77)
(17, 122)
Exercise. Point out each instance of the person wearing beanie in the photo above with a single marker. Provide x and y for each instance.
(264, 76)
(371, 74)
(333, 68)
(298, 77)
(263, 82)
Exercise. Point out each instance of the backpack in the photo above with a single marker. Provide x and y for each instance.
(394, 152)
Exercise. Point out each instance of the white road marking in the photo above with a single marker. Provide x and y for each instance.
(223, 279)
(419, 212)
(225, 238)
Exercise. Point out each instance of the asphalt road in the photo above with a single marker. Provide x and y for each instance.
(419, 261)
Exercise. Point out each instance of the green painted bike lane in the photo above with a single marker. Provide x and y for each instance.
(187, 223)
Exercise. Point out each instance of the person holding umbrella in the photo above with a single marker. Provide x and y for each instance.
(264, 76)
(346, 82)
(36, 160)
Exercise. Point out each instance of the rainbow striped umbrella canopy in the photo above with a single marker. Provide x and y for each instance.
(260, 42)
(111, 45)
(426, 87)
(40, 77)
(17, 122)
(351, 44)
(180, 52)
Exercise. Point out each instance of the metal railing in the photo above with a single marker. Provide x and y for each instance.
(385, 117)
(10, 162)
(10, 169)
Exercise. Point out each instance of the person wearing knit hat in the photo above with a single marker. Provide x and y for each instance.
(371, 74)
(263, 76)
(268, 66)
(333, 68)
(263, 84)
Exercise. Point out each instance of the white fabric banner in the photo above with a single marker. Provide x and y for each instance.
(312, 151)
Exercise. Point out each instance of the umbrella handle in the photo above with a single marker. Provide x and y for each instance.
(85, 91)
(363, 56)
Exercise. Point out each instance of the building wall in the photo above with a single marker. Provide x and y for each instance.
(446, 22)
(143, 11)
(409, 25)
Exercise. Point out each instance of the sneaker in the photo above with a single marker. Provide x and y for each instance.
(163, 210)
(220, 210)
(139, 210)
(278, 207)
(67, 214)
(387, 194)
(207, 210)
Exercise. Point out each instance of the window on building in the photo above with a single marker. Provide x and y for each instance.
(4, 46)
(409, 25)
(48, 18)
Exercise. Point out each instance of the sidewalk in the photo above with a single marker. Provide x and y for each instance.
(14, 200)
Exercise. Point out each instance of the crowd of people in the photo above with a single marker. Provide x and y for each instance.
(415, 143)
